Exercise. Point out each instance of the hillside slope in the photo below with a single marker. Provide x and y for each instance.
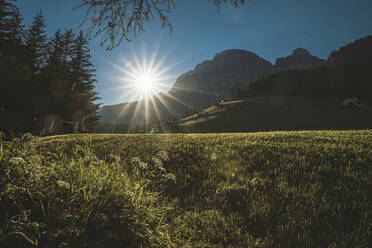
(277, 113)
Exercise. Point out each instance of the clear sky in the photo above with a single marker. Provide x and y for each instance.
(269, 28)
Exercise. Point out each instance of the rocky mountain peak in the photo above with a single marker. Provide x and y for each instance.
(299, 59)
(234, 55)
(213, 79)
(301, 52)
(230, 58)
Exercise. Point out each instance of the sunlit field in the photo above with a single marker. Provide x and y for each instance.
(276, 189)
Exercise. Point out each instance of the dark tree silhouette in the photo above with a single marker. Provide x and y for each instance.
(115, 20)
(83, 95)
(55, 50)
(11, 28)
(46, 86)
(13, 74)
(36, 42)
(35, 47)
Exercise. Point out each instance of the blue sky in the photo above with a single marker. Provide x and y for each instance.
(269, 28)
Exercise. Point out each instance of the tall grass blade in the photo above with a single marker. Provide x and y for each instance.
(1, 151)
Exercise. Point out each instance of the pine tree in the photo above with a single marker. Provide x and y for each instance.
(36, 42)
(70, 78)
(54, 50)
(11, 28)
(54, 80)
(44, 84)
(67, 104)
(35, 57)
(83, 77)
(14, 73)
(67, 46)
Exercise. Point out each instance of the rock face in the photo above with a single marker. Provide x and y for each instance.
(299, 59)
(212, 80)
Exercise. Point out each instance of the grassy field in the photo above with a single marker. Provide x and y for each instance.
(274, 189)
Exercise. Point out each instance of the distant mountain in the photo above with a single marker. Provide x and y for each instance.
(299, 59)
(212, 80)
(346, 73)
(312, 98)
(208, 83)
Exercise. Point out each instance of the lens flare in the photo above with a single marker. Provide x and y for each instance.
(145, 78)
(145, 82)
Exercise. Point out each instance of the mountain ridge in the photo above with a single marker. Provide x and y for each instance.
(335, 95)
(208, 83)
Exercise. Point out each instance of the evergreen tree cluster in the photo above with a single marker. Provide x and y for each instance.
(46, 83)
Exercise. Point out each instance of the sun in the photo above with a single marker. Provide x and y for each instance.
(145, 82)
(143, 78)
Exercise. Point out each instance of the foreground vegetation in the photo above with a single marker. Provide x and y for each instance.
(275, 189)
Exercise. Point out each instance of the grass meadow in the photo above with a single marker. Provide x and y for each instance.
(272, 189)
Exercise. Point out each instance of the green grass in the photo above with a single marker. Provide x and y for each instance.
(275, 189)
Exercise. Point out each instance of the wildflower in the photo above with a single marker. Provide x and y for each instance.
(163, 155)
(213, 156)
(63, 244)
(137, 161)
(255, 180)
(157, 161)
(171, 177)
(63, 184)
(17, 161)
(113, 158)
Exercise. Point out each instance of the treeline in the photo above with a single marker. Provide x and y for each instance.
(47, 83)
(347, 73)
